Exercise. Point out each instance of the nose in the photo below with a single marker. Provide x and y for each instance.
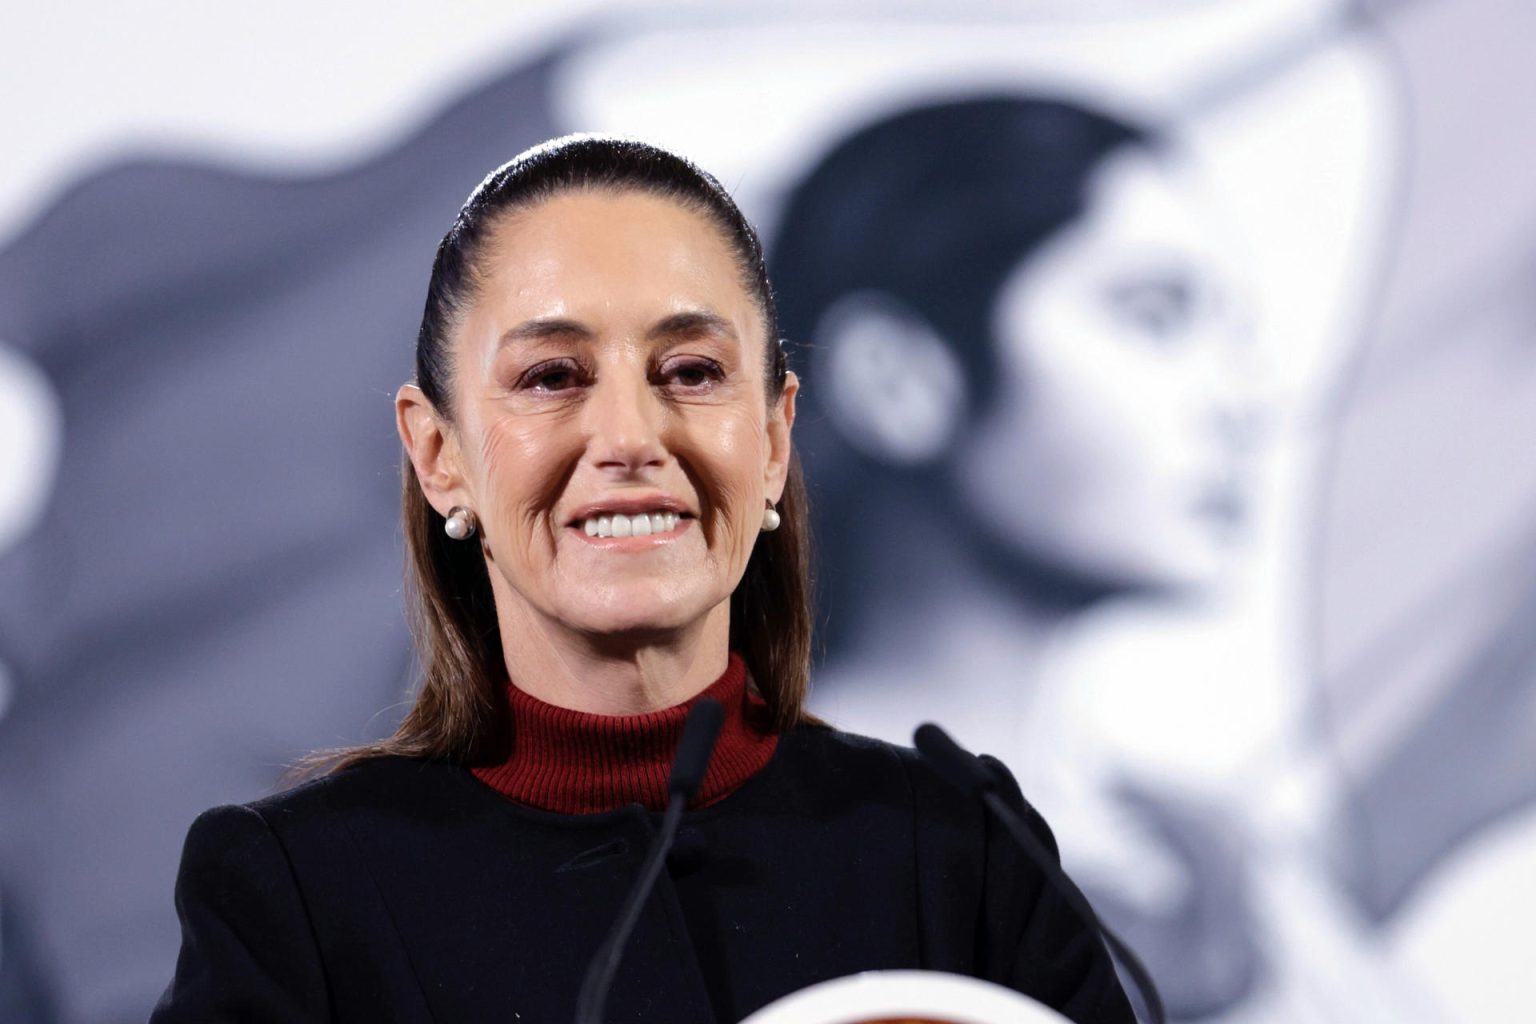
(1238, 419)
(624, 421)
(1239, 429)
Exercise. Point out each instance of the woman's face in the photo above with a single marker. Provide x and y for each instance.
(1119, 445)
(612, 429)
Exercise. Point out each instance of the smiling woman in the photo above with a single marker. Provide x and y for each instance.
(606, 528)
(614, 366)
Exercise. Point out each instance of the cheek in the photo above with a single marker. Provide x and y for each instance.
(725, 454)
(1113, 405)
(523, 465)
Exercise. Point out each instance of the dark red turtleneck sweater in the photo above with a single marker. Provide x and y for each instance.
(579, 763)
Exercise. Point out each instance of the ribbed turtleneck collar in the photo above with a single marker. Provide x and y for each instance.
(574, 762)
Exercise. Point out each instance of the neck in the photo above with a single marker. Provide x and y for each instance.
(575, 763)
(607, 674)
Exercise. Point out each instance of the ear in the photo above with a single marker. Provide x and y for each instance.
(893, 387)
(432, 449)
(781, 421)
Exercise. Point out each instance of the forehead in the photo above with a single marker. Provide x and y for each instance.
(615, 249)
(1142, 203)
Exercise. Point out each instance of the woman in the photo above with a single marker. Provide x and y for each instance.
(606, 526)
(1030, 377)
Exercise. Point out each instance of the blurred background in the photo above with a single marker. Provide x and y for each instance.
(1166, 367)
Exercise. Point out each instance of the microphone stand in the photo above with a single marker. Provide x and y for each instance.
(700, 730)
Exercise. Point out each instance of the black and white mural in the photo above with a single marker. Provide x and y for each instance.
(1166, 372)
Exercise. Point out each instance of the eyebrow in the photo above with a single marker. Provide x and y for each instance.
(691, 322)
(697, 321)
(542, 328)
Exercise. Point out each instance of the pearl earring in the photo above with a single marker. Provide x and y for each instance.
(771, 519)
(460, 524)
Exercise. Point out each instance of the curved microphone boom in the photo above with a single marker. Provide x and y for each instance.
(700, 730)
(964, 770)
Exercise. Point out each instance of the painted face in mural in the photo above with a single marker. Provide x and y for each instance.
(1119, 446)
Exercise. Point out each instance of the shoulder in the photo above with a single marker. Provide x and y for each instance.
(864, 768)
(269, 890)
(373, 783)
(873, 767)
(377, 790)
(321, 835)
(836, 754)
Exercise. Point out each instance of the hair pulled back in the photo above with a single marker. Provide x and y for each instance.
(935, 206)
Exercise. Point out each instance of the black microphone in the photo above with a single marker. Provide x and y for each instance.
(964, 770)
(700, 730)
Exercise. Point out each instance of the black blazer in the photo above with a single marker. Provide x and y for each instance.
(405, 890)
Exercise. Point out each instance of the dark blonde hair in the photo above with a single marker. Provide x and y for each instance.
(460, 711)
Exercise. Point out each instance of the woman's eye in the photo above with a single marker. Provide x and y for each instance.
(692, 374)
(551, 377)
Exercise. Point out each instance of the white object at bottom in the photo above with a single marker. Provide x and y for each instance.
(923, 997)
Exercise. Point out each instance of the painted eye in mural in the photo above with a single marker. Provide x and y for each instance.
(1161, 308)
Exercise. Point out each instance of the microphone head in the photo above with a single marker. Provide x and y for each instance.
(958, 766)
(700, 730)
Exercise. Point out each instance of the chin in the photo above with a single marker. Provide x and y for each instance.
(1191, 571)
(634, 611)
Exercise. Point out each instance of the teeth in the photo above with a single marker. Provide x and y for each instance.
(642, 525)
